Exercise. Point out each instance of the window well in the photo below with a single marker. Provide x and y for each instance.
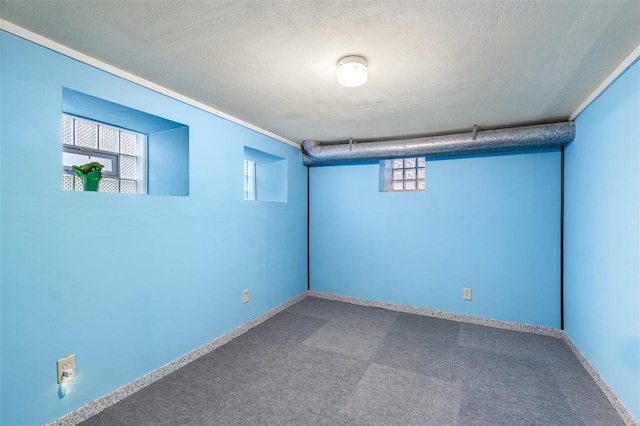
(265, 176)
(141, 153)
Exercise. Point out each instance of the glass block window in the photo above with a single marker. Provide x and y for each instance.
(122, 152)
(109, 185)
(402, 174)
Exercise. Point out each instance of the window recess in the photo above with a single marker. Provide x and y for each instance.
(142, 153)
(265, 176)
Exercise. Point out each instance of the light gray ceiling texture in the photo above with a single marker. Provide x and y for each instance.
(434, 67)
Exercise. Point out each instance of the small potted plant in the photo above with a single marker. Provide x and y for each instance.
(90, 173)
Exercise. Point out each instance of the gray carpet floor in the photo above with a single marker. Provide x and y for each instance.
(323, 362)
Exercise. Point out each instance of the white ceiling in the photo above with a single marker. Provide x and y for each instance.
(434, 67)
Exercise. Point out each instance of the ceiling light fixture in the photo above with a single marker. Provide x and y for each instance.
(352, 71)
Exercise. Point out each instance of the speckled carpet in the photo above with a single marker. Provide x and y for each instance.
(323, 362)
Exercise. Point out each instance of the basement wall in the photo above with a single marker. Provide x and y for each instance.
(602, 236)
(490, 222)
(126, 282)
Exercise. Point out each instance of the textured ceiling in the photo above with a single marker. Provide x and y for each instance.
(434, 67)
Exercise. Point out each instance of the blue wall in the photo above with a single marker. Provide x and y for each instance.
(83, 105)
(1, 126)
(491, 223)
(271, 182)
(602, 236)
(141, 279)
(168, 160)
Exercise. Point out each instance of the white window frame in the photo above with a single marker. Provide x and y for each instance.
(249, 180)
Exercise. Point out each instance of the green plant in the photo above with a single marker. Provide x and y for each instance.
(90, 173)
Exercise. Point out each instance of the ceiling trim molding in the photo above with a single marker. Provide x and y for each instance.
(620, 69)
(74, 54)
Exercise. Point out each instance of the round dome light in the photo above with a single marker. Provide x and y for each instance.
(352, 71)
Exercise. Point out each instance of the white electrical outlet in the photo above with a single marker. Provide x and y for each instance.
(66, 364)
(466, 293)
(245, 296)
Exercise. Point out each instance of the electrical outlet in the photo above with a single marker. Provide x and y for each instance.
(466, 293)
(66, 363)
(245, 296)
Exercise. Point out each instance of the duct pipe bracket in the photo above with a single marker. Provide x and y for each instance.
(540, 136)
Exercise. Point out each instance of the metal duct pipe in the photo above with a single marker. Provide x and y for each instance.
(515, 138)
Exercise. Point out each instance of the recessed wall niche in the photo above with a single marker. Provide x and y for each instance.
(166, 148)
(265, 176)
